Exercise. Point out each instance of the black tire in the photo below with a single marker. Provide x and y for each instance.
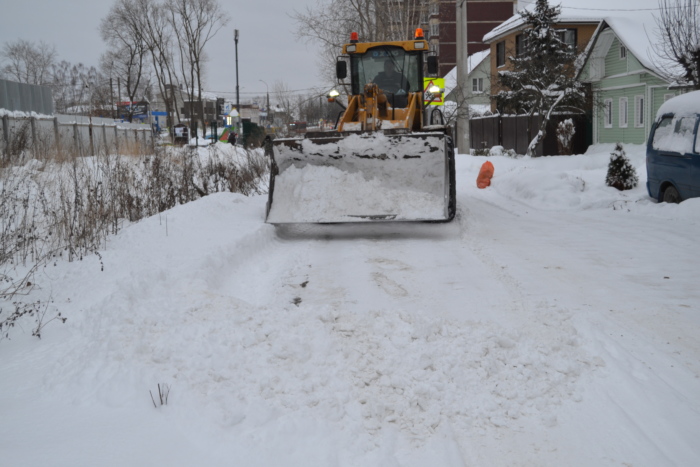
(671, 195)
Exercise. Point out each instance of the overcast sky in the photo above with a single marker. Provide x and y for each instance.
(267, 47)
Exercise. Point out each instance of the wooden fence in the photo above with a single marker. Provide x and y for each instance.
(517, 131)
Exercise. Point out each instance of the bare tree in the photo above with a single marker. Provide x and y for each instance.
(285, 101)
(125, 58)
(330, 23)
(195, 23)
(159, 37)
(678, 40)
(75, 87)
(27, 62)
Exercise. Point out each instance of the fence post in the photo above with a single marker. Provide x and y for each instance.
(116, 138)
(75, 139)
(57, 135)
(91, 138)
(32, 123)
(104, 138)
(6, 133)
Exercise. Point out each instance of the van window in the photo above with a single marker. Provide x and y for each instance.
(675, 135)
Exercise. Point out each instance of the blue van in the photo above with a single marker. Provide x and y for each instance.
(673, 150)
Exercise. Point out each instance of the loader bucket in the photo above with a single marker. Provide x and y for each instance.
(362, 178)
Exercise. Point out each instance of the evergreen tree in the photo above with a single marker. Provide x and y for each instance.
(621, 173)
(541, 76)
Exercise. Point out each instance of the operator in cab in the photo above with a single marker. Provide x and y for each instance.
(390, 80)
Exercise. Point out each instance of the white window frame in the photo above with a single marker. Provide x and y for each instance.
(623, 52)
(639, 111)
(435, 30)
(607, 113)
(478, 85)
(623, 111)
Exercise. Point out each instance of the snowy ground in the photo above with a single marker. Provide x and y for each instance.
(555, 322)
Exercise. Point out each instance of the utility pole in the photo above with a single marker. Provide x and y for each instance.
(238, 101)
(462, 77)
(267, 105)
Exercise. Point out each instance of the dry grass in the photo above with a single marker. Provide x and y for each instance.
(68, 207)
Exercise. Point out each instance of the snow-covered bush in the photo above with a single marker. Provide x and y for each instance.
(621, 173)
(565, 136)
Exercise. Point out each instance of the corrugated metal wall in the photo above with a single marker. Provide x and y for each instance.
(25, 97)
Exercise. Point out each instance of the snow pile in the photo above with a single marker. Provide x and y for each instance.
(554, 322)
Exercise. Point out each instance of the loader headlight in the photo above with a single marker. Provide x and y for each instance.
(351, 48)
(334, 93)
(434, 89)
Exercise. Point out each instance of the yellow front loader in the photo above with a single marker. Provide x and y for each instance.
(381, 163)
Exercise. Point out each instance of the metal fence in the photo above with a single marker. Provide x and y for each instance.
(25, 97)
(73, 134)
(517, 131)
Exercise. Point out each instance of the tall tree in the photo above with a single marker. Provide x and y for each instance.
(678, 40)
(75, 87)
(195, 23)
(27, 62)
(159, 38)
(330, 22)
(126, 54)
(541, 76)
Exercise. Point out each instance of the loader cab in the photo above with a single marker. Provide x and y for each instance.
(396, 71)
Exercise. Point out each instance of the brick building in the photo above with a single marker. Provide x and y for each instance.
(482, 17)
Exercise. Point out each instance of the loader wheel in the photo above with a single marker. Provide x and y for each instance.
(671, 195)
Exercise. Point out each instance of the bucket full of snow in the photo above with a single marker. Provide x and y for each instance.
(373, 177)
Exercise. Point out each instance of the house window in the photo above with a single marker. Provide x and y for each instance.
(567, 36)
(639, 111)
(435, 8)
(608, 108)
(623, 112)
(501, 53)
(477, 84)
(434, 29)
(520, 45)
(623, 52)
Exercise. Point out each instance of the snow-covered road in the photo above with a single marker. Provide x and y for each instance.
(554, 322)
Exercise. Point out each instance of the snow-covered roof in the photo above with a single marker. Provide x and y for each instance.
(572, 11)
(632, 22)
(473, 61)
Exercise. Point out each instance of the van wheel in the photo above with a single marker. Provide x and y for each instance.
(671, 195)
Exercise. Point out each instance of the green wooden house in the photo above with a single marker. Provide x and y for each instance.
(626, 78)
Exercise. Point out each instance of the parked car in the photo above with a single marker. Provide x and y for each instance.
(673, 150)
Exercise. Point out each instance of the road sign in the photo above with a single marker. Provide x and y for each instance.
(427, 83)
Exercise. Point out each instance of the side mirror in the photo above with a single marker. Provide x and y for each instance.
(432, 65)
(341, 69)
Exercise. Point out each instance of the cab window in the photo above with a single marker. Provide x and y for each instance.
(373, 65)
